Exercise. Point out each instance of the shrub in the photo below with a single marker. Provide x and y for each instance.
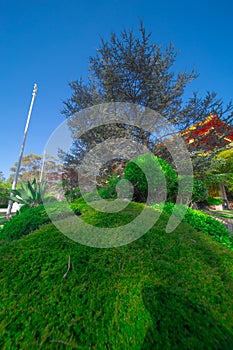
(156, 169)
(72, 194)
(200, 191)
(31, 218)
(22, 224)
(108, 191)
(4, 191)
(22, 209)
(202, 222)
(214, 200)
(207, 224)
(3, 206)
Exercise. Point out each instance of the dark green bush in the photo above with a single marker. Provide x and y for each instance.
(31, 218)
(157, 171)
(202, 222)
(72, 194)
(3, 206)
(22, 224)
(4, 191)
(200, 191)
(108, 191)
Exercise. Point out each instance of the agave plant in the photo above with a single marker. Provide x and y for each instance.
(31, 194)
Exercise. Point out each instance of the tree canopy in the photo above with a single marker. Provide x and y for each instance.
(130, 67)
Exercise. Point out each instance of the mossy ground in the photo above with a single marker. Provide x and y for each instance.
(163, 291)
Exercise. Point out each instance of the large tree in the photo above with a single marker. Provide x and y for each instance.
(131, 68)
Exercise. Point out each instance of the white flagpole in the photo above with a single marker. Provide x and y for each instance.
(22, 149)
(42, 166)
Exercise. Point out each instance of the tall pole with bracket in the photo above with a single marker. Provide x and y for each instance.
(10, 204)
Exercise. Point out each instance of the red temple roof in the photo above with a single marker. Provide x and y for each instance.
(211, 133)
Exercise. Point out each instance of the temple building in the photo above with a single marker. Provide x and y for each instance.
(208, 134)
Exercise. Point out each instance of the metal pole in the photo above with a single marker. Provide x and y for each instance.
(22, 149)
(42, 166)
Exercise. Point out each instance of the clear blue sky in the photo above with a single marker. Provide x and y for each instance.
(48, 42)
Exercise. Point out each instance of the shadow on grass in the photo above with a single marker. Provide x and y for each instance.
(180, 322)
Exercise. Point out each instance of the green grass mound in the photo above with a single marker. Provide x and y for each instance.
(30, 219)
(163, 291)
(202, 222)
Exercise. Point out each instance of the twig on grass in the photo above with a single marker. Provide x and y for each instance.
(65, 343)
(68, 269)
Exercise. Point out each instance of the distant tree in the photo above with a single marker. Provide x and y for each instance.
(223, 162)
(215, 168)
(4, 190)
(31, 168)
(2, 176)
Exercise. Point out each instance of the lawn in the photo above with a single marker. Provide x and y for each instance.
(162, 291)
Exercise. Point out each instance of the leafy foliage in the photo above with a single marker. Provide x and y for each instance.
(200, 191)
(71, 193)
(222, 163)
(214, 200)
(157, 171)
(3, 205)
(4, 191)
(31, 194)
(109, 189)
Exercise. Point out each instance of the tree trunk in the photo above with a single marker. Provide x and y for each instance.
(224, 197)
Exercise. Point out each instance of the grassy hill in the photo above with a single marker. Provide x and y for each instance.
(163, 291)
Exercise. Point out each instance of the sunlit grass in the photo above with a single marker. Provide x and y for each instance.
(162, 291)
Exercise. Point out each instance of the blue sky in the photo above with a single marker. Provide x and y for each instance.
(49, 42)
